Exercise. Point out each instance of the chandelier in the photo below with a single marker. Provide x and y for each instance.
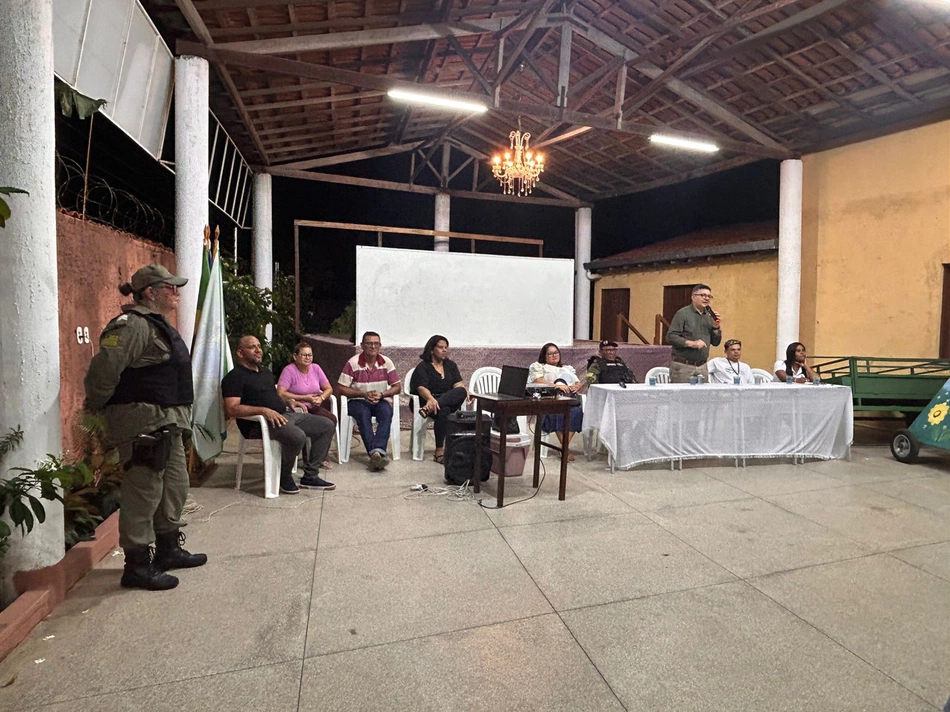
(517, 169)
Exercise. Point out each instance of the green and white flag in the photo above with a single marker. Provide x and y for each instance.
(210, 362)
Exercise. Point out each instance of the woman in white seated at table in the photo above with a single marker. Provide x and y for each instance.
(548, 370)
(794, 365)
(305, 382)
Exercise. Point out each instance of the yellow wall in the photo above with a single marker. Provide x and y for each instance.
(875, 235)
(744, 292)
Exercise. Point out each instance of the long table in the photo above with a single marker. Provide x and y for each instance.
(642, 423)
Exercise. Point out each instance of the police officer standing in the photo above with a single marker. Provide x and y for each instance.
(140, 381)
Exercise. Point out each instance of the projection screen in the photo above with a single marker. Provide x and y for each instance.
(474, 300)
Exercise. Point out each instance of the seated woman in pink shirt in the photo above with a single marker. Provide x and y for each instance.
(307, 384)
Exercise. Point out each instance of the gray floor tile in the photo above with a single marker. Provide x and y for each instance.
(248, 526)
(932, 558)
(583, 498)
(648, 490)
(862, 470)
(275, 688)
(773, 479)
(752, 537)
(931, 493)
(528, 665)
(593, 561)
(230, 614)
(886, 612)
(382, 592)
(383, 514)
(727, 648)
(869, 517)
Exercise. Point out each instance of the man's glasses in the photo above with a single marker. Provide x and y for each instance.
(372, 344)
(704, 296)
(305, 355)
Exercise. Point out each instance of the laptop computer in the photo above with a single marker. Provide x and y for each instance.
(513, 381)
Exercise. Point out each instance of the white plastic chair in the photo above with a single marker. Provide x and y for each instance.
(660, 373)
(760, 375)
(418, 435)
(486, 380)
(345, 438)
(272, 453)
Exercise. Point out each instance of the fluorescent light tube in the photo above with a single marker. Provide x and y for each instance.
(686, 143)
(436, 101)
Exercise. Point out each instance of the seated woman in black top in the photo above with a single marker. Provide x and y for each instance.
(438, 383)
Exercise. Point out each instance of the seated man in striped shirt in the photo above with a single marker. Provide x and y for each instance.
(369, 380)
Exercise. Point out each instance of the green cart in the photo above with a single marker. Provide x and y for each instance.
(906, 385)
(929, 428)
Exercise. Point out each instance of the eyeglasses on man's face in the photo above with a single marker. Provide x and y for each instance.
(372, 344)
(305, 354)
(703, 295)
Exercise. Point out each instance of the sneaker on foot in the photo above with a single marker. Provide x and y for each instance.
(376, 461)
(383, 461)
(315, 482)
(288, 486)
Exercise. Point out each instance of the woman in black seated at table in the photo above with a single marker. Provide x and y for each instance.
(438, 383)
(548, 370)
(794, 365)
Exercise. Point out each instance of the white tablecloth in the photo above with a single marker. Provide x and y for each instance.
(642, 423)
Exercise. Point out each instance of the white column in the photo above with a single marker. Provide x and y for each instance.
(442, 204)
(789, 255)
(191, 182)
(263, 238)
(29, 297)
(581, 283)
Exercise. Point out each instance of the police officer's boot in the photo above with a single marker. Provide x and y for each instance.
(141, 572)
(170, 555)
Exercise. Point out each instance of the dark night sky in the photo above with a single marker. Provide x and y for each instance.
(748, 193)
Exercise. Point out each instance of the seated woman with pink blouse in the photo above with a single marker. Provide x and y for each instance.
(307, 385)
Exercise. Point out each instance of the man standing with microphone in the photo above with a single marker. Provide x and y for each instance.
(693, 330)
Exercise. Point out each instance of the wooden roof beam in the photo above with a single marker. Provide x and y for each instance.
(755, 40)
(712, 107)
(351, 157)
(423, 189)
(538, 111)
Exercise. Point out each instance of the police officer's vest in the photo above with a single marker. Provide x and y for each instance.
(613, 371)
(165, 384)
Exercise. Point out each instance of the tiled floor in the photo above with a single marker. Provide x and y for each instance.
(824, 586)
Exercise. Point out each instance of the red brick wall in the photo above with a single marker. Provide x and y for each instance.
(93, 260)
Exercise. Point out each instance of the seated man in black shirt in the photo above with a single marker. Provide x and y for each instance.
(251, 390)
(607, 367)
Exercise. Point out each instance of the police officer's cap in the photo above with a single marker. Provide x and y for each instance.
(608, 342)
(153, 274)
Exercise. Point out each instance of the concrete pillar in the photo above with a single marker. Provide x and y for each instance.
(263, 239)
(581, 283)
(29, 296)
(789, 255)
(442, 204)
(191, 182)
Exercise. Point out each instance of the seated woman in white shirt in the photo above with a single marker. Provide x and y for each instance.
(725, 369)
(549, 370)
(794, 365)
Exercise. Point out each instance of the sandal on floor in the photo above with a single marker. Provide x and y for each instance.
(326, 465)
(439, 459)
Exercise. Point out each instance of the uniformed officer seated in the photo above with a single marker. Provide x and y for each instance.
(250, 389)
(607, 367)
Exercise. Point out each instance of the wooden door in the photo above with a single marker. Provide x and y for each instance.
(613, 302)
(945, 315)
(675, 297)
